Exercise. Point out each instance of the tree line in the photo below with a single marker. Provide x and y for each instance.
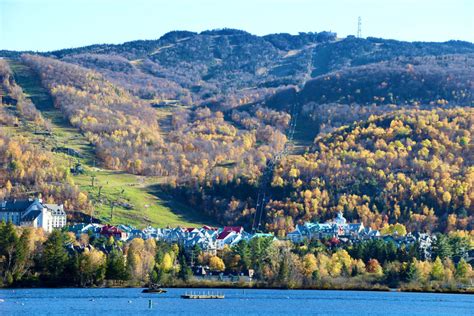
(31, 258)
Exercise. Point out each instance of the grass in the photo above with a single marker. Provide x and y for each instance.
(135, 199)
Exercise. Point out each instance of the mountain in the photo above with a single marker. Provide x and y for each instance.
(213, 118)
(231, 67)
(404, 80)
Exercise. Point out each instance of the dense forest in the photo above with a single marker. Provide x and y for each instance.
(379, 129)
(410, 166)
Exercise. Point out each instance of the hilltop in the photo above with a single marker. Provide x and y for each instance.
(230, 67)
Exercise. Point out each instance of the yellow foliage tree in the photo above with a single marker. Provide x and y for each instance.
(216, 264)
(310, 264)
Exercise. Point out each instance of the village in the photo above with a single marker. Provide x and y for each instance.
(35, 213)
(315, 252)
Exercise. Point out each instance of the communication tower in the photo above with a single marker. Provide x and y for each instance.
(359, 27)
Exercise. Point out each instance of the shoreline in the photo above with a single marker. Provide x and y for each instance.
(469, 291)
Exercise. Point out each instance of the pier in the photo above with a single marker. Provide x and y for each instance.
(202, 295)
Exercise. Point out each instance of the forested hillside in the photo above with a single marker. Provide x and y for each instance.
(127, 136)
(231, 67)
(208, 113)
(25, 168)
(412, 166)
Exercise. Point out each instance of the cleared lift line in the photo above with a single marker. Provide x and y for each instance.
(263, 192)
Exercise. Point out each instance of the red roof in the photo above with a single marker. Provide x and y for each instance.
(108, 229)
(224, 234)
(237, 229)
(189, 229)
(208, 227)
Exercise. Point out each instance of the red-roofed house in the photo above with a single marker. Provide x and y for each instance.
(223, 235)
(209, 228)
(229, 236)
(236, 229)
(112, 231)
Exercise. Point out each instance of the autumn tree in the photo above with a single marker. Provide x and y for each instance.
(216, 264)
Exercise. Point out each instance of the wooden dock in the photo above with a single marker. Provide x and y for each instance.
(202, 295)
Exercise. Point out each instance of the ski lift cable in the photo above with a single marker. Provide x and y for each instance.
(260, 207)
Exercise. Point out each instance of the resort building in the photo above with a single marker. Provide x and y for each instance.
(33, 213)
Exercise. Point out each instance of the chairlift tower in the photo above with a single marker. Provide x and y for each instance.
(359, 27)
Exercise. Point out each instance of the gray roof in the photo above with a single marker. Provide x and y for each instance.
(31, 216)
(15, 205)
(55, 208)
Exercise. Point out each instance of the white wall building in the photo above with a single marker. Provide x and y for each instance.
(58, 215)
(33, 213)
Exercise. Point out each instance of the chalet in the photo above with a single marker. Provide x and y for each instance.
(91, 229)
(112, 231)
(338, 228)
(151, 232)
(33, 213)
(236, 229)
(190, 237)
(296, 236)
(368, 233)
(201, 271)
(229, 237)
(353, 229)
(174, 235)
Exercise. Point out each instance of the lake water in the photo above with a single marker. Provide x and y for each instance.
(236, 302)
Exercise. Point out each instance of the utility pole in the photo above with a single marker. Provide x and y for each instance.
(112, 205)
(100, 189)
(93, 180)
(359, 27)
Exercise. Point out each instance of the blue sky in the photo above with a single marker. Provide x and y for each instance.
(53, 24)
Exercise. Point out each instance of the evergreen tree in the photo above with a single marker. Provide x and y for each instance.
(462, 269)
(459, 245)
(55, 257)
(442, 247)
(413, 273)
(8, 246)
(243, 250)
(283, 272)
(22, 255)
(116, 267)
(437, 271)
(185, 271)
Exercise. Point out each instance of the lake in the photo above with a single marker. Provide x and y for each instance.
(236, 302)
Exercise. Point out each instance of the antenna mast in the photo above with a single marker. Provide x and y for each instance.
(359, 27)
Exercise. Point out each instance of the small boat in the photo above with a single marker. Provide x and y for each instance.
(154, 288)
(158, 291)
